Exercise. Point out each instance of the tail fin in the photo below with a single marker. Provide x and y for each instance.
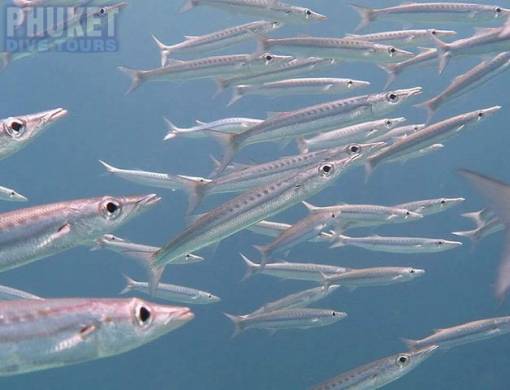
(5, 59)
(264, 252)
(187, 5)
(237, 94)
(430, 106)
(173, 130)
(366, 14)
(136, 77)
(338, 241)
(221, 85)
(109, 168)
(230, 146)
(473, 235)
(130, 285)
(165, 50)
(251, 268)
(479, 217)
(238, 323)
(262, 44)
(412, 345)
(302, 145)
(391, 71)
(195, 188)
(443, 52)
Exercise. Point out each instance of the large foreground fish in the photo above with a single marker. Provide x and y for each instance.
(42, 334)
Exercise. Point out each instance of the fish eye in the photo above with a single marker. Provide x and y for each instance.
(440, 243)
(392, 97)
(276, 24)
(209, 296)
(111, 209)
(12, 194)
(308, 12)
(333, 215)
(143, 315)
(433, 32)
(15, 128)
(408, 213)
(402, 360)
(350, 83)
(388, 123)
(326, 170)
(269, 57)
(333, 314)
(354, 148)
(443, 202)
(498, 10)
(412, 271)
(480, 115)
(392, 51)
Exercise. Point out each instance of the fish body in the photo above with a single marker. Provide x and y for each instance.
(42, 334)
(372, 277)
(404, 38)
(398, 133)
(11, 195)
(431, 206)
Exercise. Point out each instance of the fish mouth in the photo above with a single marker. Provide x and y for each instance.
(148, 200)
(491, 110)
(418, 272)
(18, 198)
(57, 114)
(319, 17)
(425, 352)
(184, 315)
(120, 5)
(411, 91)
(404, 53)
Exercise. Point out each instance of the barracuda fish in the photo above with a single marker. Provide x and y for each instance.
(344, 49)
(372, 277)
(398, 133)
(403, 38)
(467, 333)
(242, 179)
(440, 12)
(83, 18)
(397, 244)
(302, 86)
(284, 319)
(279, 72)
(488, 41)
(268, 9)
(294, 271)
(468, 81)
(379, 373)
(356, 133)
(486, 224)
(424, 58)
(51, 333)
(312, 119)
(215, 41)
(203, 129)
(17, 132)
(411, 155)
(12, 294)
(430, 206)
(208, 67)
(432, 134)
(322, 219)
(30, 234)
(172, 293)
(298, 300)
(249, 208)
(496, 193)
(11, 195)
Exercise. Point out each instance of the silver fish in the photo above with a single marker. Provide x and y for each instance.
(398, 133)
(432, 134)
(11, 294)
(466, 82)
(467, 333)
(361, 132)
(344, 49)
(295, 271)
(286, 319)
(203, 129)
(217, 40)
(379, 373)
(11, 195)
(397, 244)
(268, 9)
(403, 38)
(440, 12)
(172, 292)
(274, 229)
(251, 207)
(372, 277)
(18, 131)
(431, 206)
(301, 86)
(297, 300)
(30, 234)
(42, 334)
(208, 67)
(424, 58)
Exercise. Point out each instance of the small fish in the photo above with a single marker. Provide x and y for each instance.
(432, 134)
(267, 9)
(467, 333)
(301, 86)
(285, 319)
(398, 133)
(379, 373)
(217, 40)
(440, 12)
(204, 129)
(397, 244)
(342, 49)
(297, 300)
(372, 277)
(19, 131)
(466, 82)
(52, 333)
(497, 194)
(404, 38)
(172, 293)
(11, 195)
(294, 271)
(361, 132)
(12, 294)
(431, 206)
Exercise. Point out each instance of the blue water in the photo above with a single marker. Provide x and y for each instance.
(127, 131)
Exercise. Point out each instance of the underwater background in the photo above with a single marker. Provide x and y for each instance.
(127, 132)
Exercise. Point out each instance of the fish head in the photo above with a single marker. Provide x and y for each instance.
(301, 14)
(209, 298)
(501, 13)
(361, 151)
(483, 114)
(109, 240)
(400, 364)
(190, 258)
(353, 84)
(109, 9)
(445, 203)
(334, 316)
(390, 100)
(393, 54)
(409, 215)
(445, 244)
(441, 33)
(265, 26)
(11, 195)
(269, 59)
(18, 131)
(390, 123)
(413, 273)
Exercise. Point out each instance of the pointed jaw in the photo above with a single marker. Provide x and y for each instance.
(488, 112)
(175, 317)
